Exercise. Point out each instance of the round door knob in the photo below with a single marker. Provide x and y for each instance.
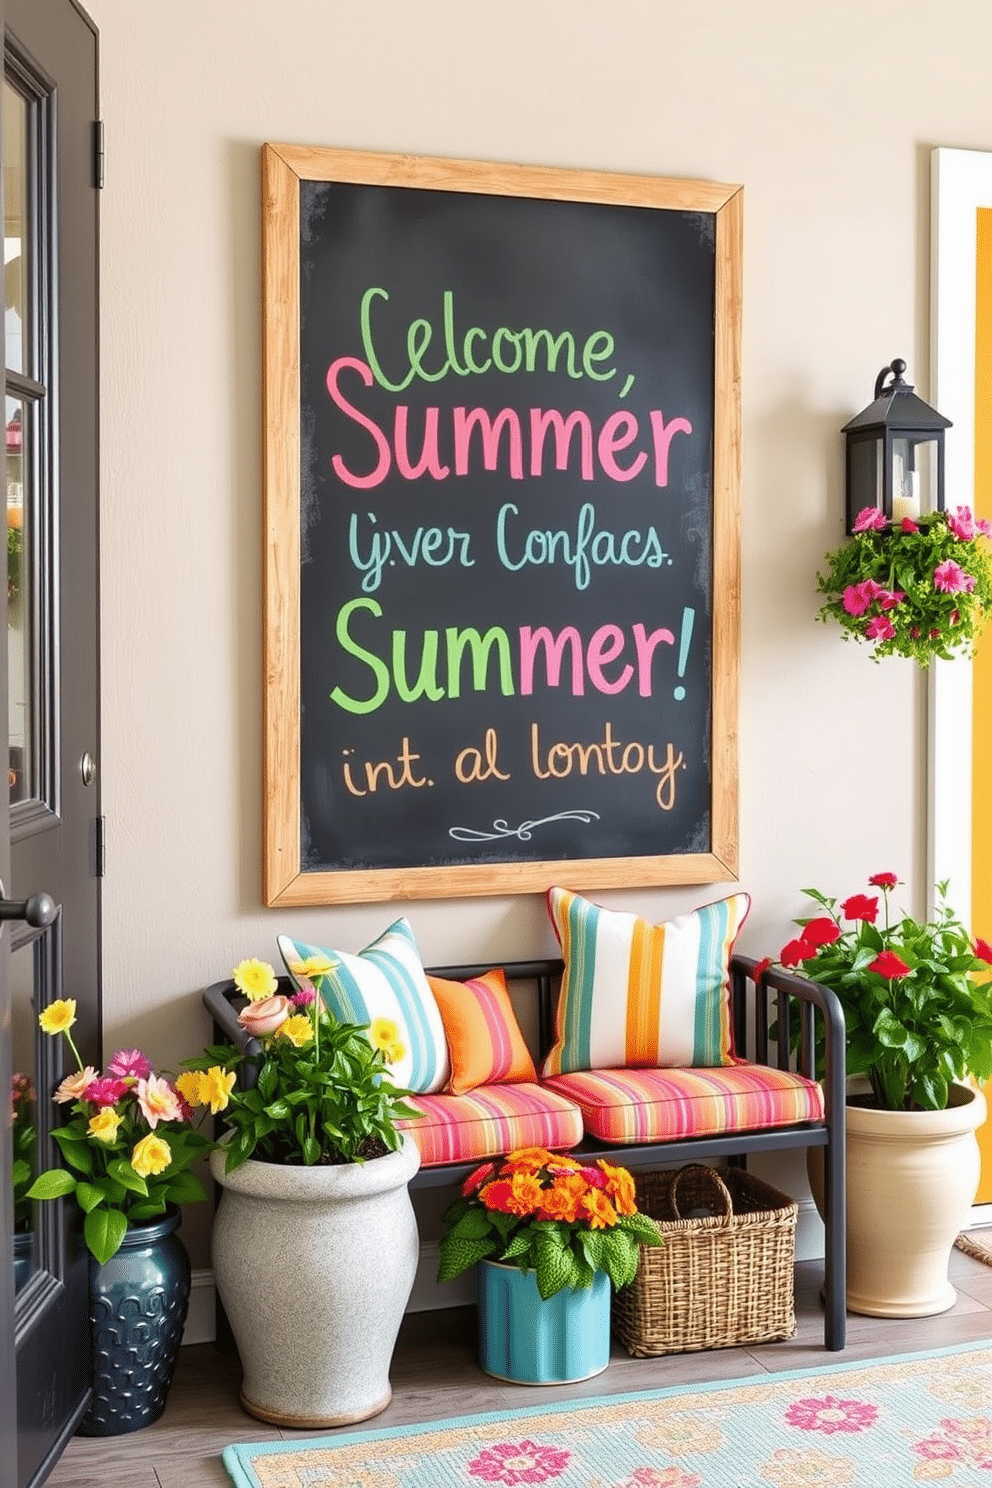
(87, 768)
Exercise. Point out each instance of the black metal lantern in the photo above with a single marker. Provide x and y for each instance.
(895, 452)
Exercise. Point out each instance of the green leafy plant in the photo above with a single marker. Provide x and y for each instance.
(128, 1143)
(917, 997)
(921, 588)
(323, 1093)
(550, 1214)
(24, 1138)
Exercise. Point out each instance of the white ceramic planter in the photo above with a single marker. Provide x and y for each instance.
(912, 1177)
(315, 1267)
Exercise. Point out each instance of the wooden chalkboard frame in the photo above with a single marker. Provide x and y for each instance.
(284, 167)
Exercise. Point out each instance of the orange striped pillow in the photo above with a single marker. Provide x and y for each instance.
(485, 1044)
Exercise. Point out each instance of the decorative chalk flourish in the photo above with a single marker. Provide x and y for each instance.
(523, 832)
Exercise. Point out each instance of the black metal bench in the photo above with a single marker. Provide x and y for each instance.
(754, 1039)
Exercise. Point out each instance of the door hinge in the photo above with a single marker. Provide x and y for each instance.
(101, 846)
(98, 154)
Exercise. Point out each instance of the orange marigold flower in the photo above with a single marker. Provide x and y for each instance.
(601, 1213)
(571, 1183)
(526, 1160)
(558, 1203)
(620, 1187)
(525, 1194)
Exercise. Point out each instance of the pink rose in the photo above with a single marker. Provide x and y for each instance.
(259, 1018)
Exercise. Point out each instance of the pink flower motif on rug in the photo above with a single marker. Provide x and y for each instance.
(662, 1477)
(967, 1441)
(830, 1414)
(519, 1462)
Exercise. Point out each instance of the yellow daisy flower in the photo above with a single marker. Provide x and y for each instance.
(383, 1033)
(298, 1030)
(394, 1053)
(215, 1088)
(188, 1084)
(104, 1125)
(255, 979)
(58, 1016)
(151, 1155)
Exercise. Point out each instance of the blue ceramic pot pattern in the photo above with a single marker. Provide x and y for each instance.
(138, 1305)
(531, 1341)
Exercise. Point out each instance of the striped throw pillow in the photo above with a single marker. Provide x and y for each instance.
(642, 996)
(384, 986)
(485, 1044)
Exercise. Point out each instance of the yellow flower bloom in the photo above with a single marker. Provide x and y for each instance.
(383, 1032)
(188, 1084)
(312, 966)
(152, 1155)
(215, 1088)
(255, 979)
(394, 1053)
(58, 1016)
(104, 1125)
(298, 1030)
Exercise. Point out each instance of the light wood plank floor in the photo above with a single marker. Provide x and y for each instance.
(435, 1375)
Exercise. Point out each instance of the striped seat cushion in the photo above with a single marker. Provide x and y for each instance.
(490, 1121)
(655, 1105)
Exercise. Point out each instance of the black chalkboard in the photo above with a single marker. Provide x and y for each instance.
(507, 534)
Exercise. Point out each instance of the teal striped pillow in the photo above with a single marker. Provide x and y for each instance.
(385, 987)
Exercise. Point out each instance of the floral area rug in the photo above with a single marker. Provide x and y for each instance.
(921, 1418)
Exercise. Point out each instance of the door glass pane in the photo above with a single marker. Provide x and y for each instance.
(18, 610)
(24, 1110)
(15, 238)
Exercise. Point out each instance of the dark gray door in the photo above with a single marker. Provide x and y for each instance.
(49, 713)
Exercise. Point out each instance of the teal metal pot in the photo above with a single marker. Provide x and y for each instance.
(530, 1341)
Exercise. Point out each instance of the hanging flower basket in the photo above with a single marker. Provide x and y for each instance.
(920, 588)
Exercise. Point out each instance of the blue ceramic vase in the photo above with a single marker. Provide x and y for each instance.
(530, 1341)
(138, 1305)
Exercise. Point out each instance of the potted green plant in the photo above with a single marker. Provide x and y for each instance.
(311, 1164)
(917, 1000)
(550, 1234)
(920, 588)
(128, 1145)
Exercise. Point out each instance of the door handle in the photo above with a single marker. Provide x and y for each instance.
(38, 910)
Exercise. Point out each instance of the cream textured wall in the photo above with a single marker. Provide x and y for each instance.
(825, 113)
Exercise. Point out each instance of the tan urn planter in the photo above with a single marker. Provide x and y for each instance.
(314, 1266)
(912, 1177)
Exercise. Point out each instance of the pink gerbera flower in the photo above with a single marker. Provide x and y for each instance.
(129, 1062)
(106, 1092)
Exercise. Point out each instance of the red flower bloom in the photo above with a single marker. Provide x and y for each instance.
(762, 967)
(983, 950)
(795, 952)
(888, 964)
(821, 932)
(883, 880)
(475, 1180)
(860, 907)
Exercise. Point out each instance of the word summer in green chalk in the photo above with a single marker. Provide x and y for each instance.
(611, 450)
(515, 662)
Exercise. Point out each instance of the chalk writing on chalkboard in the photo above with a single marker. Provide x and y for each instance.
(501, 509)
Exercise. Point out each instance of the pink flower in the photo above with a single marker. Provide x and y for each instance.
(106, 1092)
(938, 1449)
(129, 1062)
(908, 525)
(983, 950)
(75, 1087)
(883, 880)
(889, 598)
(158, 1101)
(820, 932)
(519, 1462)
(595, 1177)
(304, 997)
(879, 629)
(870, 519)
(860, 907)
(951, 578)
(475, 1180)
(962, 523)
(855, 600)
(888, 964)
(984, 526)
(259, 1018)
(830, 1414)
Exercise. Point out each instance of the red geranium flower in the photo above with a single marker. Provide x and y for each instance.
(883, 880)
(860, 907)
(795, 952)
(821, 932)
(983, 950)
(888, 964)
(762, 967)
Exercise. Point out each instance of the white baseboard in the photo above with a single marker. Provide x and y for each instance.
(200, 1320)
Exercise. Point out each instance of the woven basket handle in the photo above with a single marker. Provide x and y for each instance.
(712, 1176)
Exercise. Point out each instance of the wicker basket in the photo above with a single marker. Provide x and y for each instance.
(718, 1280)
